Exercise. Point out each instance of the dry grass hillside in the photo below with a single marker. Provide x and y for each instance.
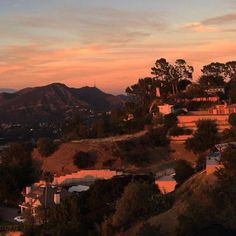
(61, 161)
(107, 151)
(194, 187)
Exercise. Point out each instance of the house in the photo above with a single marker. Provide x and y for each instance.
(213, 163)
(189, 120)
(166, 183)
(166, 109)
(215, 90)
(224, 109)
(42, 195)
(223, 146)
(84, 176)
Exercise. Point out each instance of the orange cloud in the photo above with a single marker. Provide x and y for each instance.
(199, 27)
(112, 68)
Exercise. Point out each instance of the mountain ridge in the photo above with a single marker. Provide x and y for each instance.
(53, 101)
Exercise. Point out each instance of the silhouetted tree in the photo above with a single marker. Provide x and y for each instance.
(183, 170)
(205, 137)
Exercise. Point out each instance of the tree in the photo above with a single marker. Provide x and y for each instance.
(170, 120)
(46, 146)
(232, 120)
(170, 75)
(205, 137)
(209, 81)
(181, 71)
(231, 91)
(84, 159)
(17, 170)
(143, 92)
(133, 205)
(200, 163)
(215, 69)
(183, 170)
(230, 70)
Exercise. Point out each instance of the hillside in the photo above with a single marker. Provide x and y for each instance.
(61, 162)
(168, 220)
(97, 99)
(108, 150)
(7, 90)
(53, 102)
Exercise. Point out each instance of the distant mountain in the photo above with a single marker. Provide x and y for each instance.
(97, 99)
(53, 102)
(7, 90)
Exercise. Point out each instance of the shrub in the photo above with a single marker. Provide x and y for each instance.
(183, 170)
(84, 159)
(232, 119)
(134, 204)
(46, 146)
(176, 131)
(158, 137)
(204, 138)
(170, 120)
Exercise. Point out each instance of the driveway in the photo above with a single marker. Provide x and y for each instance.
(8, 214)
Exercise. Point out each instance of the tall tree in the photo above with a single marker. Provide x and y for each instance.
(230, 70)
(170, 75)
(205, 137)
(214, 69)
(143, 92)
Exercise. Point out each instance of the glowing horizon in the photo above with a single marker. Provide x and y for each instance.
(115, 44)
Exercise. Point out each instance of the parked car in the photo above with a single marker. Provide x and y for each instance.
(19, 219)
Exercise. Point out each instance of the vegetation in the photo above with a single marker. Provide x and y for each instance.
(232, 120)
(206, 216)
(183, 170)
(176, 131)
(133, 205)
(46, 146)
(84, 159)
(17, 170)
(98, 211)
(204, 138)
(137, 151)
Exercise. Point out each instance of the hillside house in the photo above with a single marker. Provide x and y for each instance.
(41, 195)
(84, 176)
(166, 109)
(166, 183)
(213, 163)
(224, 109)
(189, 120)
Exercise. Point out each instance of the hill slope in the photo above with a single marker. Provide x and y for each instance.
(52, 102)
(195, 187)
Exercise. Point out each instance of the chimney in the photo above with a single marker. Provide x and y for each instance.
(28, 189)
(158, 92)
(57, 198)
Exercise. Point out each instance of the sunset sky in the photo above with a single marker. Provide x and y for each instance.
(110, 42)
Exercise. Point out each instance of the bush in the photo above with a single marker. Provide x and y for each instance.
(84, 160)
(170, 120)
(46, 146)
(158, 137)
(134, 204)
(138, 156)
(232, 119)
(183, 170)
(176, 131)
(200, 163)
(204, 138)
